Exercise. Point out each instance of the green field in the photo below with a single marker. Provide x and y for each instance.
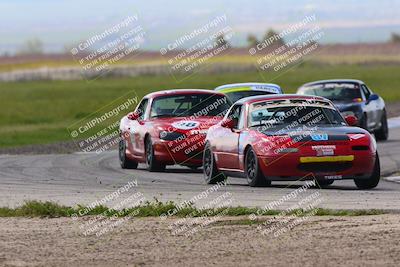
(41, 112)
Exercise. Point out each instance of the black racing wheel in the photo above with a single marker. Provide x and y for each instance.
(373, 180)
(383, 133)
(123, 160)
(253, 172)
(151, 162)
(211, 173)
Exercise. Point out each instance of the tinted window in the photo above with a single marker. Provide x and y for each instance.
(366, 91)
(141, 109)
(272, 116)
(235, 96)
(189, 105)
(235, 115)
(334, 91)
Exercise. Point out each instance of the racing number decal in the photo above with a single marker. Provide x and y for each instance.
(185, 125)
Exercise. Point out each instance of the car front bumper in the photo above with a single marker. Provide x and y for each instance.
(188, 152)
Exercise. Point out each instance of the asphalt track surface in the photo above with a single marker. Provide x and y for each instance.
(83, 178)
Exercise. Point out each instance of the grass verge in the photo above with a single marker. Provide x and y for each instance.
(155, 209)
(39, 112)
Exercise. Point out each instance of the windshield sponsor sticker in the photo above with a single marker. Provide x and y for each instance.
(267, 88)
(319, 137)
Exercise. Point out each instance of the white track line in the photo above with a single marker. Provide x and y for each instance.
(395, 179)
(394, 122)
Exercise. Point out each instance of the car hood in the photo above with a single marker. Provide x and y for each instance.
(322, 133)
(183, 124)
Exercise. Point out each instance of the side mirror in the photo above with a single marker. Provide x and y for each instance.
(229, 123)
(351, 120)
(133, 116)
(373, 97)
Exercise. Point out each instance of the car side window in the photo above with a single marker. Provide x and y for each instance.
(235, 115)
(366, 91)
(141, 109)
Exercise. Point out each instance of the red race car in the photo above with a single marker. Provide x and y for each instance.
(169, 127)
(289, 138)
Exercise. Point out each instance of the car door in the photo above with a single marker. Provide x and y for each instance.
(227, 147)
(371, 108)
(137, 129)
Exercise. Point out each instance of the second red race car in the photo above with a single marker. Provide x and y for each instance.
(169, 127)
(289, 138)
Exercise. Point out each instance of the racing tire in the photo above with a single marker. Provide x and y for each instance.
(253, 172)
(210, 171)
(151, 162)
(383, 133)
(373, 180)
(123, 160)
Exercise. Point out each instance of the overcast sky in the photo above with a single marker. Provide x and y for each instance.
(65, 22)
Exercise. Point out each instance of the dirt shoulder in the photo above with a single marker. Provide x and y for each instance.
(318, 241)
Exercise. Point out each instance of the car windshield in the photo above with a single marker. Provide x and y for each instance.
(334, 91)
(189, 105)
(263, 115)
(235, 96)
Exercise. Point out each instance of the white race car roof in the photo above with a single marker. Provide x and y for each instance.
(332, 81)
(266, 87)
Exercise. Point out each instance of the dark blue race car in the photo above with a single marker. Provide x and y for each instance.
(353, 97)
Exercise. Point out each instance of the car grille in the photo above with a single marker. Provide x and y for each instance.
(360, 148)
(331, 138)
(172, 136)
